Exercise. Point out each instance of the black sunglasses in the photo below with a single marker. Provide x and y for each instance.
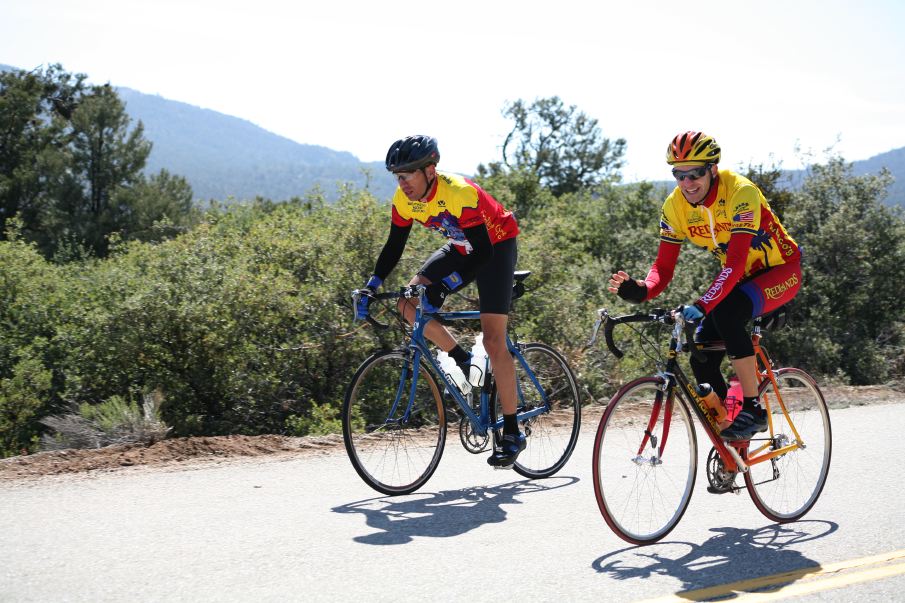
(692, 174)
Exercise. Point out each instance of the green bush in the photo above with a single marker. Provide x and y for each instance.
(244, 323)
(322, 420)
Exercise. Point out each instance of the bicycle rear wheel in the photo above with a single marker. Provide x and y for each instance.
(395, 447)
(551, 435)
(784, 488)
(645, 461)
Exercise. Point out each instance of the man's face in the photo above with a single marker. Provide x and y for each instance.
(694, 181)
(414, 184)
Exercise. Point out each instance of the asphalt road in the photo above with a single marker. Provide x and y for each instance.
(309, 529)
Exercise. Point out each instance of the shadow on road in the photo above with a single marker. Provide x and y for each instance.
(733, 554)
(443, 514)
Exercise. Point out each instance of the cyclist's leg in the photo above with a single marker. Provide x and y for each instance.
(494, 281)
(708, 370)
(762, 293)
(766, 291)
(441, 263)
(731, 318)
(433, 330)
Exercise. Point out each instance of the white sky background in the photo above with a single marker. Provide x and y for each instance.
(762, 77)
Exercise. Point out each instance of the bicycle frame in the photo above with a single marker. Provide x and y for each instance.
(674, 380)
(735, 455)
(766, 374)
(418, 348)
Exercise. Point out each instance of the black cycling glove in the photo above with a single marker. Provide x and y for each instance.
(631, 291)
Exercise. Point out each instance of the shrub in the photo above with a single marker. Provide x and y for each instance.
(115, 421)
(322, 420)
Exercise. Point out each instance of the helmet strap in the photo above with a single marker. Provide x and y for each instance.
(430, 183)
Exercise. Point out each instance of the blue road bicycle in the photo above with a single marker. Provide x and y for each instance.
(395, 418)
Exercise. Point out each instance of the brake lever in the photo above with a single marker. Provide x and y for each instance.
(601, 316)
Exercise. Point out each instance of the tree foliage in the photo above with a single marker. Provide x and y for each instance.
(853, 261)
(34, 110)
(563, 146)
(71, 167)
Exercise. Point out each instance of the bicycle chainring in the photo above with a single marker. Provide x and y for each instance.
(471, 441)
(721, 480)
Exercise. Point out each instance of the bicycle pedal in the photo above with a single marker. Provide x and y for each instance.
(503, 467)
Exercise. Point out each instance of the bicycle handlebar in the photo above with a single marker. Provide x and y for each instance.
(409, 292)
(657, 315)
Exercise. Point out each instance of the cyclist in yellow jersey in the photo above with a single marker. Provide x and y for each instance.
(481, 247)
(727, 214)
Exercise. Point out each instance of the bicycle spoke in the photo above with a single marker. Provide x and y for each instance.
(785, 487)
(394, 446)
(551, 435)
(642, 495)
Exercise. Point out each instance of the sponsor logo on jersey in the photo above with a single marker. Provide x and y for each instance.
(777, 291)
(446, 225)
(717, 288)
(704, 230)
(779, 236)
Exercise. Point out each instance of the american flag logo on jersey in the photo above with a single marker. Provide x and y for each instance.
(745, 216)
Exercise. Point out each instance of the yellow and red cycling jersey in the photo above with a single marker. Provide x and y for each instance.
(736, 205)
(457, 203)
(736, 224)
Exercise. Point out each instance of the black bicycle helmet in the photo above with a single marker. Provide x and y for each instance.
(412, 153)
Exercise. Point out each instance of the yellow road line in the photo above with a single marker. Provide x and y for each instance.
(798, 589)
(804, 580)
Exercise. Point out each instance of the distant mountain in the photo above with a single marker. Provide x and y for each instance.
(223, 156)
(894, 161)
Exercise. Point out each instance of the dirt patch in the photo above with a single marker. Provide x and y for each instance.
(171, 452)
(186, 452)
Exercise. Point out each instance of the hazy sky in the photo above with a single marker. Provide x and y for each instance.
(762, 77)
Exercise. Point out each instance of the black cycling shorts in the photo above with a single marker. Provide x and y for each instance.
(493, 279)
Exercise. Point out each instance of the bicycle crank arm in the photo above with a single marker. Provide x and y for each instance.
(742, 467)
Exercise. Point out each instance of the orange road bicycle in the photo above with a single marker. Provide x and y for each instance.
(645, 452)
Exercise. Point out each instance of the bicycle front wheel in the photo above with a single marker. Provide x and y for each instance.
(645, 460)
(394, 435)
(785, 487)
(553, 433)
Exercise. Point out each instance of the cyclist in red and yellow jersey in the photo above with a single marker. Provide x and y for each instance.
(761, 265)
(481, 247)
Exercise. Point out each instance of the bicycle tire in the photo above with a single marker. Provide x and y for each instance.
(551, 436)
(786, 487)
(643, 498)
(391, 455)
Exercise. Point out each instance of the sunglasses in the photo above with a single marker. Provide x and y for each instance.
(692, 174)
(404, 176)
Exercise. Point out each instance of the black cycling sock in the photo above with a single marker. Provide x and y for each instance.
(458, 354)
(752, 403)
(510, 425)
